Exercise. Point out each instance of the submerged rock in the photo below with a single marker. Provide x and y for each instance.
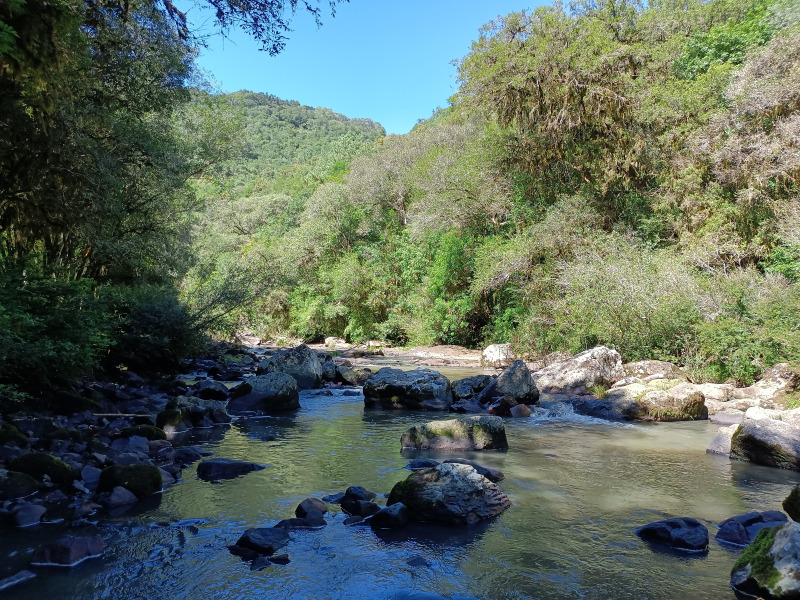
(260, 540)
(768, 567)
(680, 533)
(742, 529)
(68, 551)
(140, 480)
(451, 494)
(466, 433)
(419, 389)
(215, 469)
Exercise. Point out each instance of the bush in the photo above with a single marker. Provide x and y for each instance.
(153, 331)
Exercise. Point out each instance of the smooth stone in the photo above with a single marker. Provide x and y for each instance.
(215, 469)
(680, 533)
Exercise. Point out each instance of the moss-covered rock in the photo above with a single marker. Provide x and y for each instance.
(174, 419)
(792, 503)
(141, 480)
(70, 435)
(145, 431)
(468, 433)
(11, 435)
(39, 464)
(768, 567)
(451, 494)
(16, 485)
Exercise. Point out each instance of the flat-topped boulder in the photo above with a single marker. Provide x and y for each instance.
(451, 494)
(418, 389)
(480, 432)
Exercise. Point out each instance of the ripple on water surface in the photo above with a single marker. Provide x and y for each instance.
(578, 485)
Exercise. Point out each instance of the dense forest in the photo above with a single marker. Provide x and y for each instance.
(608, 172)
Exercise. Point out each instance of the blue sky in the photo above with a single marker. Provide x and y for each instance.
(387, 60)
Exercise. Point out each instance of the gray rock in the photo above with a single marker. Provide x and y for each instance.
(419, 389)
(360, 508)
(576, 375)
(451, 494)
(680, 533)
(262, 540)
(359, 493)
(465, 433)
(471, 386)
(726, 417)
(390, 517)
(68, 551)
(271, 393)
(647, 368)
(721, 444)
(742, 529)
(516, 382)
(120, 496)
(768, 567)
(302, 363)
(490, 473)
(215, 469)
(497, 356)
(29, 515)
(210, 390)
(134, 443)
(767, 442)
(308, 505)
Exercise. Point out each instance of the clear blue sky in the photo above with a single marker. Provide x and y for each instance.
(386, 60)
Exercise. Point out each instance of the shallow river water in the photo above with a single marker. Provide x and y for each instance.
(578, 488)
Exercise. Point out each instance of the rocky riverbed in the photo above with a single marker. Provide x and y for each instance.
(136, 439)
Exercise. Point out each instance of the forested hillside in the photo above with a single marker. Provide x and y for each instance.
(608, 173)
(611, 172)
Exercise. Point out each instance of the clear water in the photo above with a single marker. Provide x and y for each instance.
(578, 486)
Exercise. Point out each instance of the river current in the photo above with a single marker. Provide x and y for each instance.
(579, 486)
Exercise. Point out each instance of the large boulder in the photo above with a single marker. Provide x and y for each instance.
(451, 494)
(599, 366)
(467, 433)
(516, 383)
(497, 356)
(642, 402)
(419, 389)
(266, 394)
(302, 363)
(141, 480)
(721, 444)
(768, 567)
(776, 381)
(650, 370)
(679, 533)
(767, 442)
(39, 464)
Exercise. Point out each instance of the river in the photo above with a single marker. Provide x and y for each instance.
(579, 486)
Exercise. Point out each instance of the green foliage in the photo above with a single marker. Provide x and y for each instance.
(725, 43)
(152, 329)
(757, 555)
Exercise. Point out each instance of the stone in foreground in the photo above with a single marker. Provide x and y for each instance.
(450, 494)
(577, 375)
(681, 533)
(68, 551)
(467, 433)
(768, 567)
(302, 363)
(419, 389)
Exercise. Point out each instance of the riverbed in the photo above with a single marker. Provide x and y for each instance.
(579, 486)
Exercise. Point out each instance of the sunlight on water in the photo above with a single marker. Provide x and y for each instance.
(578, 485)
